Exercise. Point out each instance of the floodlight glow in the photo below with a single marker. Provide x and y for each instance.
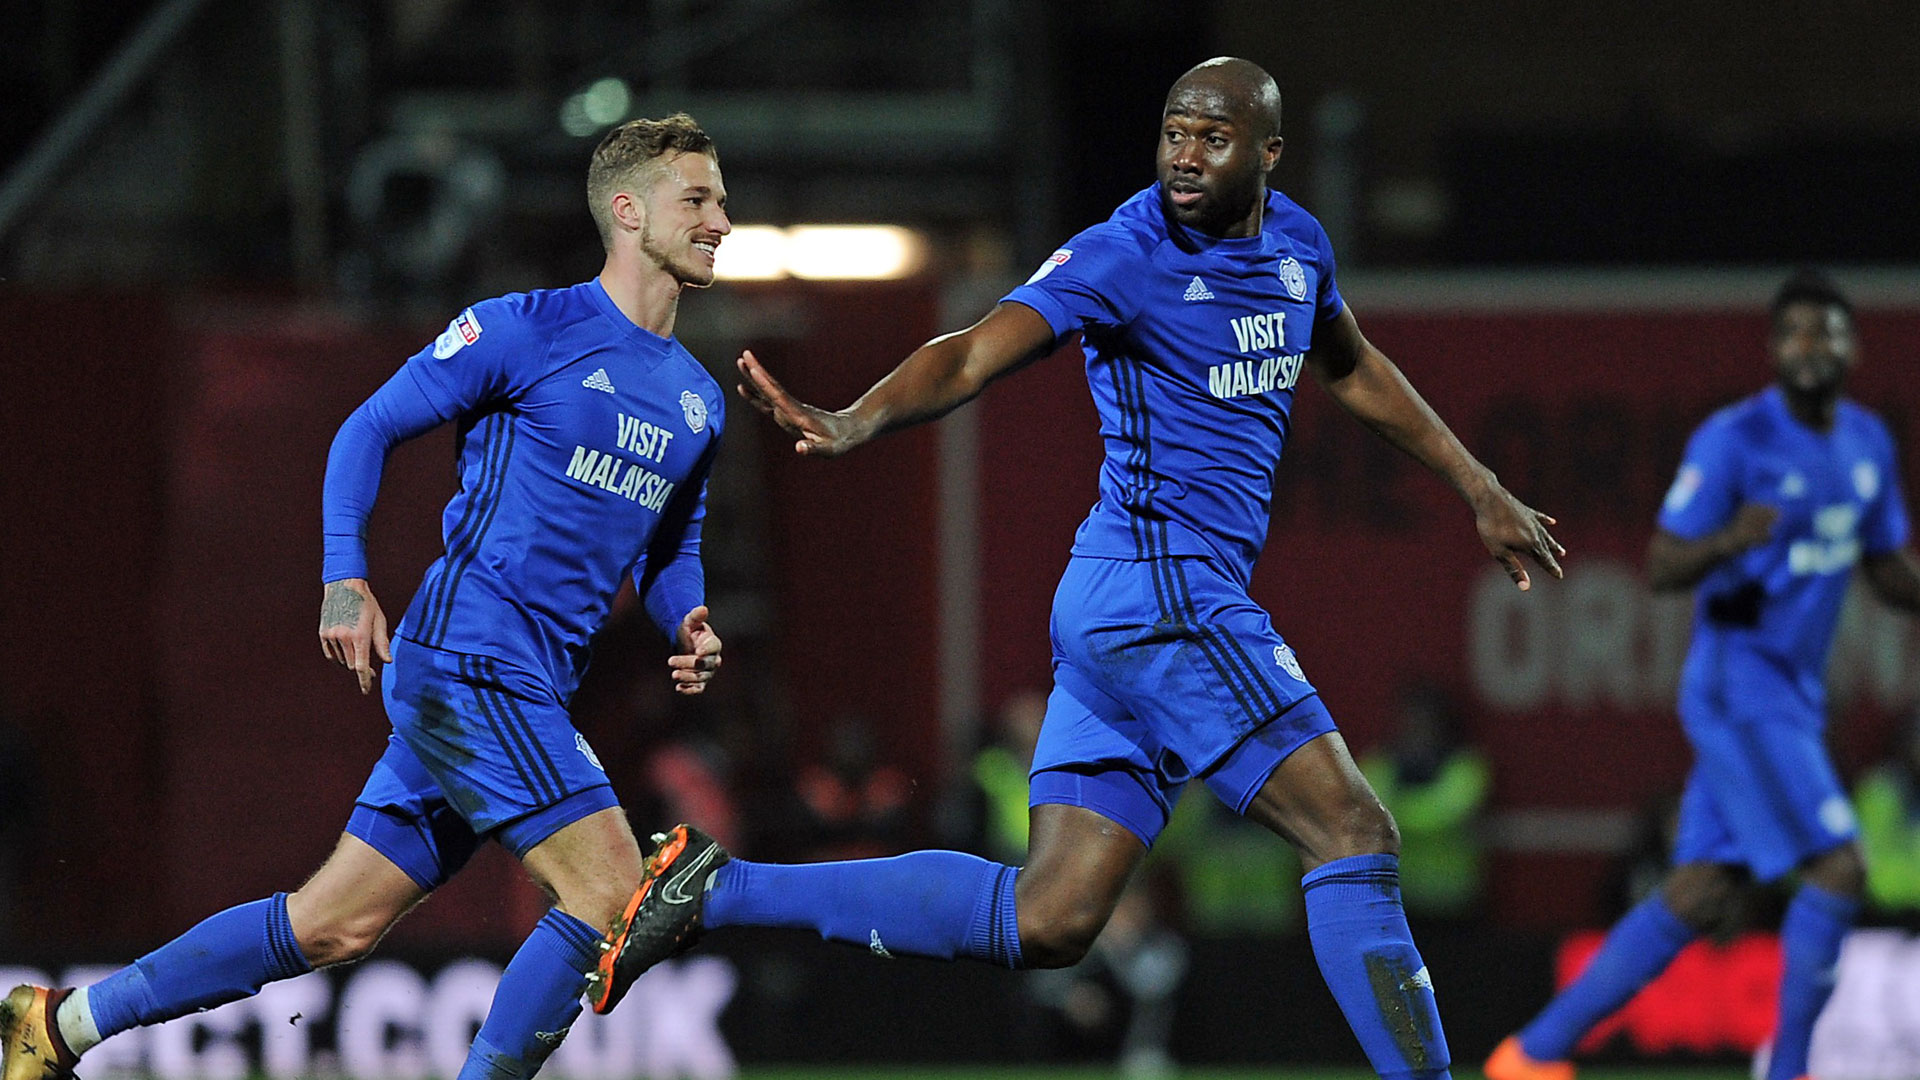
(606, 101)
(752, 253)
(853, 252)
(573, 117)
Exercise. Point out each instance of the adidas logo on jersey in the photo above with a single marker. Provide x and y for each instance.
(598, 381)
(1197, 291)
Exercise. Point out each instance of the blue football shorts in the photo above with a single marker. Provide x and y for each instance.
(479, 750)
(1762, 794)
(1165, 671)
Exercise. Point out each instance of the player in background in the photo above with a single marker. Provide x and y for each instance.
(1198, 304)
(1779, 496)
(586, 433)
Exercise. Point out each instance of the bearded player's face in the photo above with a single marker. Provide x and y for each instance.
(686, 218)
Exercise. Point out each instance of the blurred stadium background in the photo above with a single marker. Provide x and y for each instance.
(222, 223)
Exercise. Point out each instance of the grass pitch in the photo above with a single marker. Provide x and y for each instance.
(1471, 1071)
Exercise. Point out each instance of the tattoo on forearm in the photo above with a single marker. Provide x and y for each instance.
(340, 607)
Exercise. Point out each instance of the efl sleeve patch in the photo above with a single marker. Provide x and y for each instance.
(463, 331)
(1054, 262)
(1685, 487)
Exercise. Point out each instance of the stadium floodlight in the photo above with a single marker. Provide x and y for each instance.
(853, 252)
(820, 253)
(752, 253)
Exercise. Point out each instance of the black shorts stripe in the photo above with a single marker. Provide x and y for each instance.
(1236, 654)
(533, 739)
(509, 740)
(1255, 699)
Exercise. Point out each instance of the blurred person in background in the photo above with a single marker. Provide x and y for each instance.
(586, 433)
(1198, 306)
(852, 804)
(1118, 1003)
(1778, 498)
(1888, 798)
(1000, 772)
(1437, 789)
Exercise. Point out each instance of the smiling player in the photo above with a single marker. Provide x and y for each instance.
(586, 433)
(1198, 306)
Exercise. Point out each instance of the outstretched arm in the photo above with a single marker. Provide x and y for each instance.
(1368, 385)
(933, 380)
(353, 629)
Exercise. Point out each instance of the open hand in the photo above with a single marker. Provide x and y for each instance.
(821, 433)
(353, 629)
(1511, 529)
(699, 656)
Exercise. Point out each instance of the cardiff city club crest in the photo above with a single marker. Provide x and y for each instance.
(695, 410)
(1293, 277)
(1283, 655)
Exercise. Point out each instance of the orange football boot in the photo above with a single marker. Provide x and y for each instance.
(1509, 1062)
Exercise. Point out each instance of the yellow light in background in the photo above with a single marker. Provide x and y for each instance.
(820, 253)
(853, 252)
(752, 253)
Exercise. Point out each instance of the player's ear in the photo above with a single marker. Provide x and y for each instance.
(1271, 153)
(628, 212)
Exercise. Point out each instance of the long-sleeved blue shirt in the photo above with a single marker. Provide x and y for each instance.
(584, 447)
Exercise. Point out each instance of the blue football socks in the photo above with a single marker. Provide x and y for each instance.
(1365, 951)
(1816, 923)
(225, 958)
(1637, 949)
(536, 1002)
(938, 904)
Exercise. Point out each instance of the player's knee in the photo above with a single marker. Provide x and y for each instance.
(1057, 935)
(1363, 827)
(1700, 896)
(1055, 943)
(596, 902)
(1840, 871)
(340, 940)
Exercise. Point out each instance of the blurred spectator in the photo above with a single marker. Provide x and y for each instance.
(1118, 1003)
(853, 805)
(1234, 880)
(1888, 798)
(1436, 788)
(690, 779)
(1000, 771)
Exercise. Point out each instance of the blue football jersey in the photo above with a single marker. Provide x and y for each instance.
(584, 443)
(1764, 620)
(1193, 347)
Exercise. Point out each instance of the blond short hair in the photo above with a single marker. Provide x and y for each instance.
(632, 151)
